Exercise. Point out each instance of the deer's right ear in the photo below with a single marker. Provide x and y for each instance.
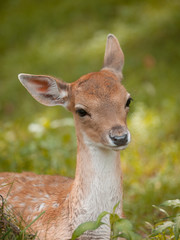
(45, 89)
(114, 57)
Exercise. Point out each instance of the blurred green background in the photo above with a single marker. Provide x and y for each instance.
(67, 39)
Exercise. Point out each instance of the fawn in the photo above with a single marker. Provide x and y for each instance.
(99, 103)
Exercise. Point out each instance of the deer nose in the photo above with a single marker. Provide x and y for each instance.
(119, 140)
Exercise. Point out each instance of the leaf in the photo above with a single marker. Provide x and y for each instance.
(149, 225)
(161, 228)
(121, 226)
(114, 208)
(103, 214)
(125, 225)
(88, 226)
(171, 203)
(161, 210)
(114, 217)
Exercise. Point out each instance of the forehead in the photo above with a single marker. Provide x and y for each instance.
(98, 87)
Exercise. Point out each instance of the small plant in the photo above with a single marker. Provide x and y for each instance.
(169, 226)
(119, 227)
(164, 229)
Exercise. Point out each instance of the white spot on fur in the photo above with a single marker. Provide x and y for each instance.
(54, 185)
(28, 196)
(55, 205)
(4, 184)
(35, 200)
(30, 178)
(41, 207)
(22, 204)
(34, 217)
(67, 196)
(19, 188)
(46, 195)
(16, 198)
(41, 200)
(38, 185)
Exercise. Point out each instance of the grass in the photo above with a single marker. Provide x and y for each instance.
(67, 39)
(13, 227)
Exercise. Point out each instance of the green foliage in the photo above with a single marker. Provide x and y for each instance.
(171, 203)
(164, 229)
(168, 227)
(119, 227)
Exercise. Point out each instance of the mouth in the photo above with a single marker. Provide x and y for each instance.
(117, 148)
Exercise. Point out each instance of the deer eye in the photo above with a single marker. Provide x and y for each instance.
(128, 102)
(81, 112)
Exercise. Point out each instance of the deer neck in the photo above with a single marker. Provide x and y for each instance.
(98, 181)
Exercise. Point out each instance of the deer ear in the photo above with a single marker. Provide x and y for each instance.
(45, 89)
(114, 57)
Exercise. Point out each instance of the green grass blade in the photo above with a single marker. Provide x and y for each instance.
(115, 207)
(6, 234)
(33, 221)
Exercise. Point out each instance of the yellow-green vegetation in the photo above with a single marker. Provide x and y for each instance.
(167, 227)
(67, 39)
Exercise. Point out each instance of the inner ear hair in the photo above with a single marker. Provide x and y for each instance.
(47, 90)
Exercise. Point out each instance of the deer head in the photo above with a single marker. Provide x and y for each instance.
(99, 102)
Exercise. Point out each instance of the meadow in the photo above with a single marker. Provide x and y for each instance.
(66, 39)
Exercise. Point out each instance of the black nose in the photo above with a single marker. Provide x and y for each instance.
(119, 140)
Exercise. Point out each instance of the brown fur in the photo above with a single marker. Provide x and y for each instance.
(34, 190)
(104, 97)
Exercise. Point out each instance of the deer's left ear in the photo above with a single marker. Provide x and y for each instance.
(45, 89)
(114, 57)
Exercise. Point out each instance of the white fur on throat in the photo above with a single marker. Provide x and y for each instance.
(99, 186)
